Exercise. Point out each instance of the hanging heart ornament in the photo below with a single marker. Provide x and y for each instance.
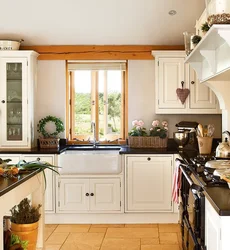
(182, 93)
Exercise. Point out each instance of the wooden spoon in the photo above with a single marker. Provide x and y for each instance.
(200, 128)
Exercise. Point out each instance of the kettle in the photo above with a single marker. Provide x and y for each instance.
(223, 149)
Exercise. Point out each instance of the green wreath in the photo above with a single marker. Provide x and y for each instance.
(58, 123)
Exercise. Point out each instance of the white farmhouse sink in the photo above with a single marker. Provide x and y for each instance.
(90, 162)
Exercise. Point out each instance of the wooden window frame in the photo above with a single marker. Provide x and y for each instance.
(70, 109)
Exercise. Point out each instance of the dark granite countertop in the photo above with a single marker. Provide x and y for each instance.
(7, 184)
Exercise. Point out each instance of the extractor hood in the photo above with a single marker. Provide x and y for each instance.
(211, 61)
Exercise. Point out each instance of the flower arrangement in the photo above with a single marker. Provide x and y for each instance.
(156, 138)
(138, 128)
(159, 130)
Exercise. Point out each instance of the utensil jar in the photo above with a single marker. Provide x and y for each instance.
(205, 144)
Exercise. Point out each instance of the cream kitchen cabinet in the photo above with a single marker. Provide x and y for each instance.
(171, 73)
(77, 195)
(148, 186)
(17, 83)
(216, 229)
(50, 187)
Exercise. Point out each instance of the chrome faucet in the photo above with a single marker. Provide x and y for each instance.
(93, 129)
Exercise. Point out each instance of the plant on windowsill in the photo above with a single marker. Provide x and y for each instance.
(24, 222)
(50, 140)
(138, 137)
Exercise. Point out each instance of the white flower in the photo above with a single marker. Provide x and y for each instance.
(140, 123)
(155, 123)
(135, 123)
(158, 130)
(151, 129)
(165, 124)
(138, 127)
(166, 128)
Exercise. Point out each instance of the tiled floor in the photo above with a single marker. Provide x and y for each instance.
(113, 237)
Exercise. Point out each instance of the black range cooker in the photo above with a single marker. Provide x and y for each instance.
(195, 176)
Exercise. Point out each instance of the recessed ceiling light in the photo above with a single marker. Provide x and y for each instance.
(172, 12)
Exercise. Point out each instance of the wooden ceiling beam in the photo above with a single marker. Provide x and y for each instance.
(99, 52)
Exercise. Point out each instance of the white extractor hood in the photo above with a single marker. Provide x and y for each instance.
(211, 61)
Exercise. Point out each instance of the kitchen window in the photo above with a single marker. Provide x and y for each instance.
(96, 94)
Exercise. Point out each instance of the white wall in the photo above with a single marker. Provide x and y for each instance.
(51, 90)
(51, 95)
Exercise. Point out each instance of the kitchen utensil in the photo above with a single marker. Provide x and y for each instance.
(200, 128)
(10, 44)
(181, 138)
(211, 130)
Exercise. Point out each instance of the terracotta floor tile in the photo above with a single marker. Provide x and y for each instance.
(97, 230)
(142, 225)
(57, 238)
(169, 228)
(160, 247)
(83, 241)
(150, 241)
(49, 229)
(121, 244)
(107, 225)
(52, 247)
(168, 238)
(72, 228)
(132, 233)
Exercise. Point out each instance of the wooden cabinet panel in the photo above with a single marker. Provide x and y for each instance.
(149, 183)
(106, 194)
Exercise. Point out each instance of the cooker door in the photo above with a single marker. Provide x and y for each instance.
(190, 241)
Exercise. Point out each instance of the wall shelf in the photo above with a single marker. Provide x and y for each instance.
(210, 58)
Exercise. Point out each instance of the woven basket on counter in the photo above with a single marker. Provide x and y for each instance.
(49, 142)
(147, 142)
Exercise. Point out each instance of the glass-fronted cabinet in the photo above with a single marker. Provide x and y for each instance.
(16, 90)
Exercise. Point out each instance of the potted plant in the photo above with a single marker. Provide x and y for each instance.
(195, 40)
(158, 129)
(50, 140)
(157, 138)
(205, 27)
(24, 222)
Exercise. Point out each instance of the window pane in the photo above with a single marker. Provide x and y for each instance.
(110, 85)
(114, 101)
(82, 105)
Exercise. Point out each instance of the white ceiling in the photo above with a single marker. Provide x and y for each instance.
(98, 22)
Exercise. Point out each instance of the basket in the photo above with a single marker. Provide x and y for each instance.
(147, 142)
(49, 142)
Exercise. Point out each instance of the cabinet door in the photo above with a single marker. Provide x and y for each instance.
(105, 194)
(14, 158)
(14, 101)
(170, 77)
(212, 228)
(50, 190)
(149, 183)
(201, 96)
(73, 195)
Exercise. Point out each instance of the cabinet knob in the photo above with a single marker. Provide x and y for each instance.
(3, 101)
(92, 194)
(87, 194)
(192, 82)
(149, 159)
(38, 159)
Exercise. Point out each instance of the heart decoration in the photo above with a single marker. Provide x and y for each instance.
(182, 94)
